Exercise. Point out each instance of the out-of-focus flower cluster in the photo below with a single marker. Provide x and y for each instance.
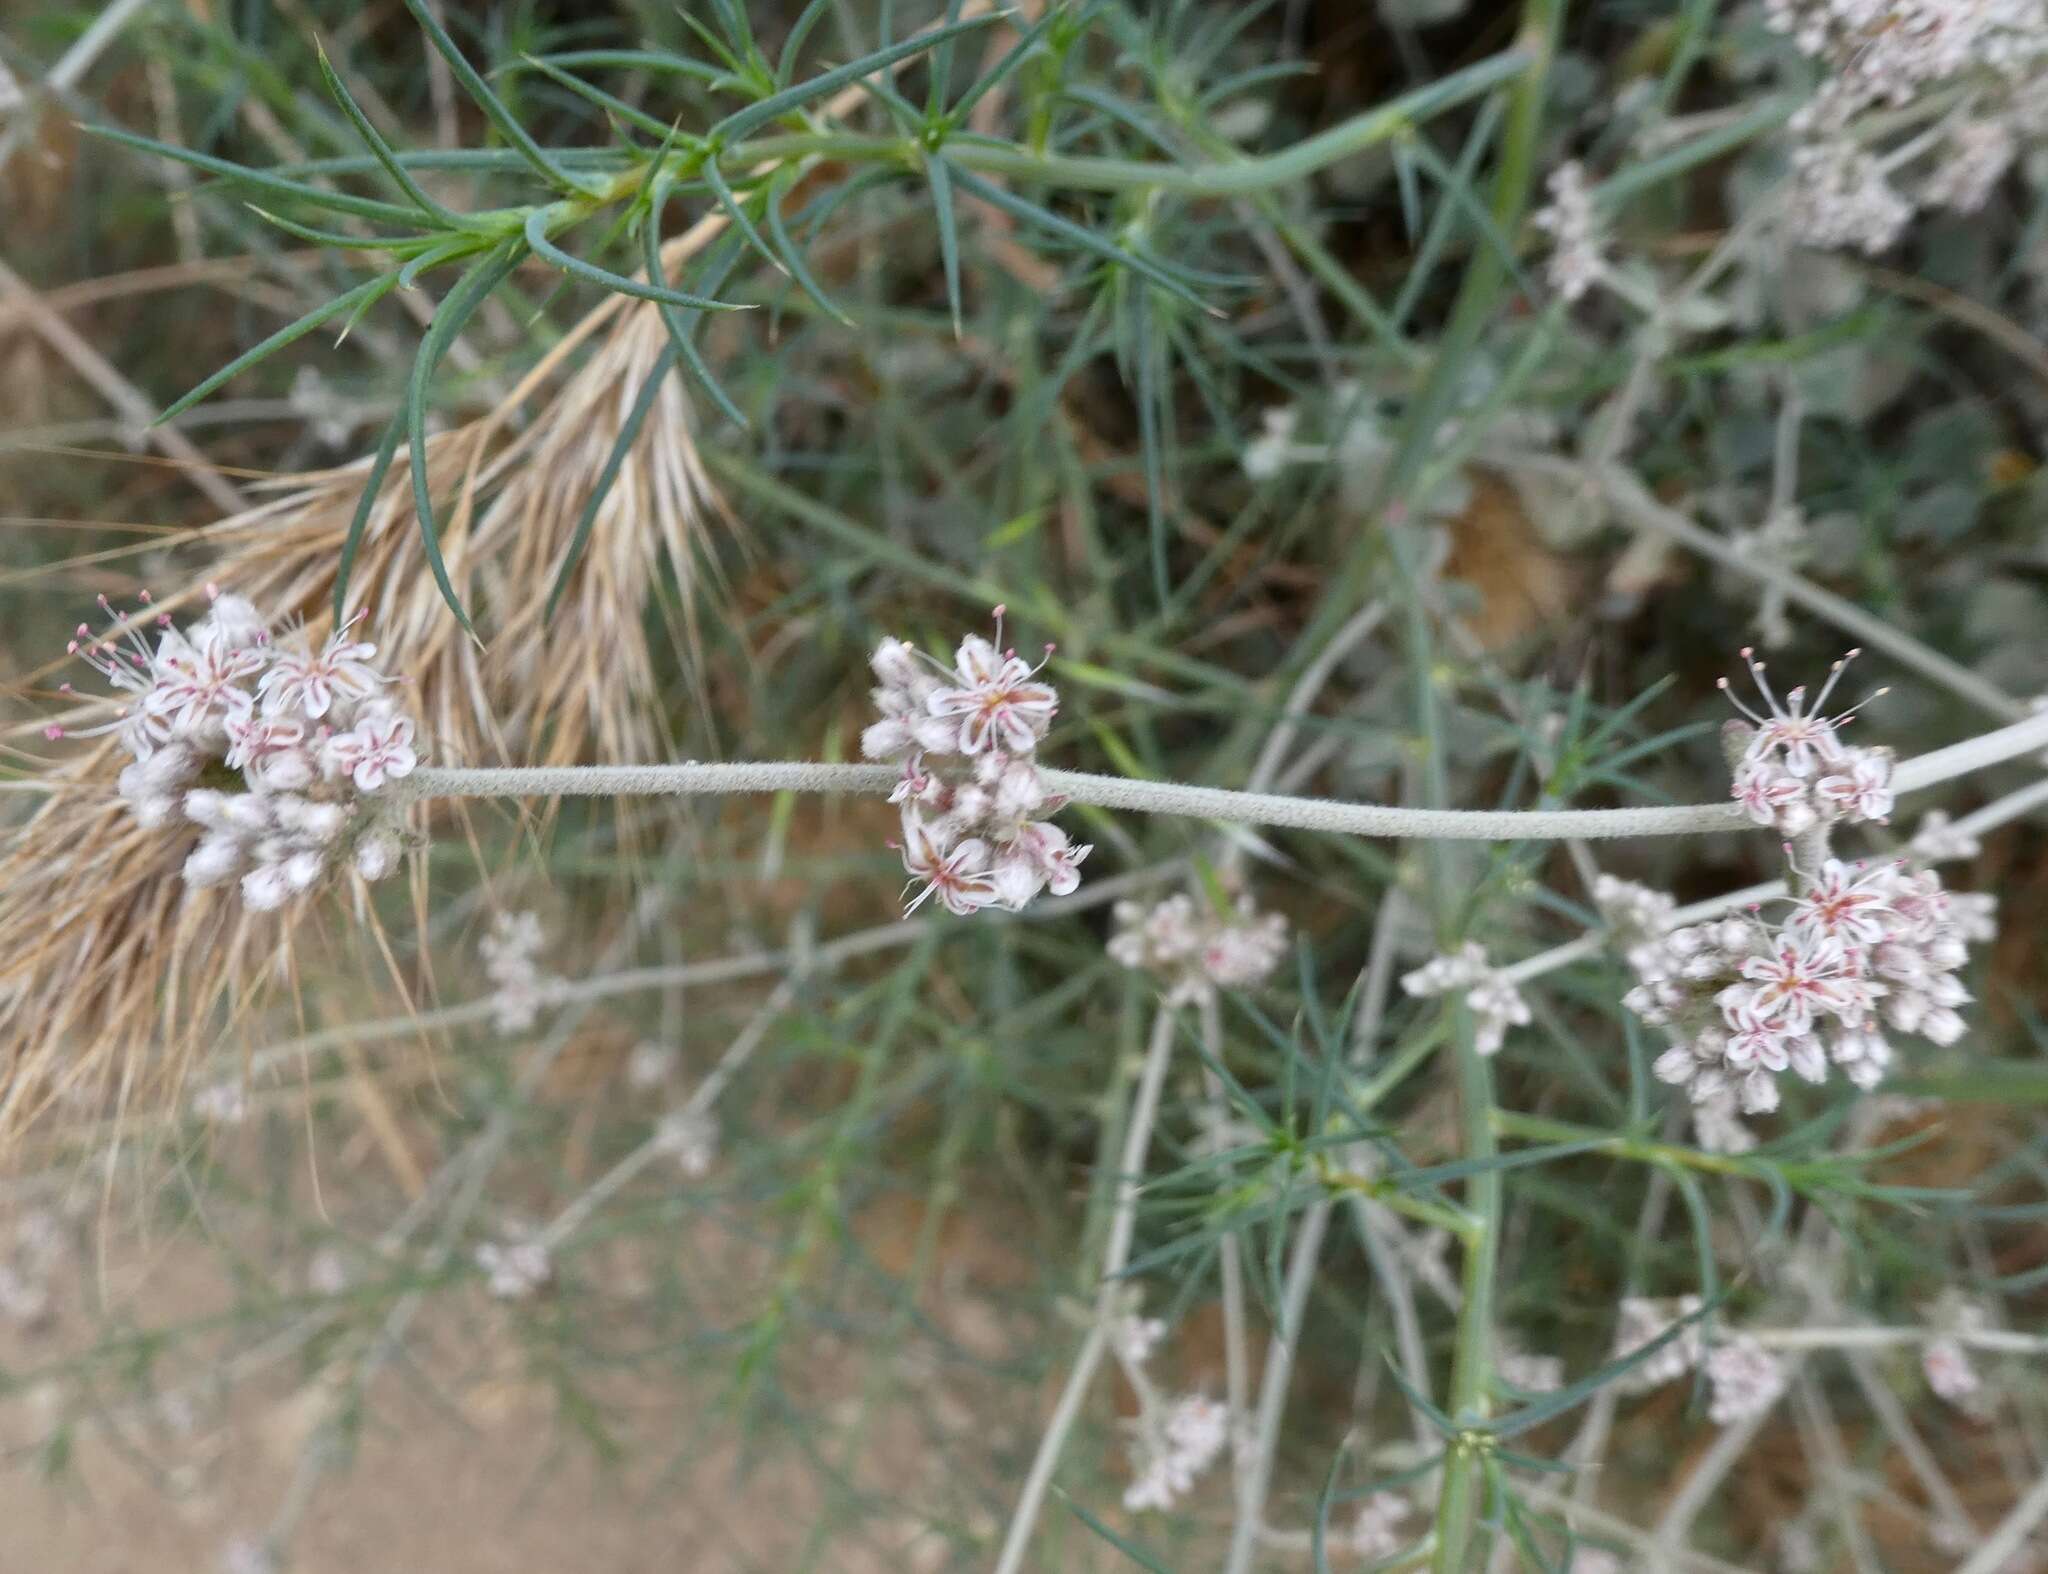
(1882, 55)
(274, 750)
(519, 988)
(1744, 1379)
(976, 831)
(1195, 950)
(1578, 238)
(1376, 1533)
(1495, 1001)
(1946, 1359)
(1174, 1450)
(514, 1269)
(1861, 948)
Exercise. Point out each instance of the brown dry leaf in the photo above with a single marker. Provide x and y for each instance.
(1524, 588)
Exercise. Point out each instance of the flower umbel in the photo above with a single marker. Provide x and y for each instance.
(974, 807)
(293, 747)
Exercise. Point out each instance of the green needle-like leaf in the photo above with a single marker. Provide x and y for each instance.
(380, 149)
(1081, 238)
(493, 107)
(680, 330)
(456, 308)
(776, 105)
(548, 251)
(227, 169)
(629, 434)
(370, 289)
(949, 234)
(387, 447)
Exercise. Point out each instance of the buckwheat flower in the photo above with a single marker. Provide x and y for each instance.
(1862, 1053)
(246, 1555)
(1135, 1338)
(224, 1103)
(1193, 950)
(1176, 1450)
(1788, 986)
(327, 1272)
(376, 855)
(1593, 1560)
(1642, 1320)
(1716, 1128)
(971, 794)
(302, 684)
(1950, 1373)
(1798, 735)
(269, 751)
(1771, 795)
(1578, 238)
(1843, 198)
(377, 750)
(691, 1139)
(1851, 907)
(998, 703)
(521, 989)
(1936, 841)
(1746, 1380)
(514, 1270)
(1376, 1533)
(650, 1064)
(1861, 791)
(1266, 455)
(958, 877)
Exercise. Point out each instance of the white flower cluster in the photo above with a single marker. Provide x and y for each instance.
(1491, 994)
(272, 749)
(1578, 238)
(1793, 771)
(1865, 947)
(1745, 1380)
(246, 1555)
(1376, 1534)
(1883, 54)
(509, 953)
(650, 1064)
(27, 1271)
(1643, 1319)
(1176, 1448)
(1743, 1377)
(1946, 1360)
(691, 1139)
(514, 1269)
(1193, 950)
(972, 798)
(1134, 1338)
(1861, 946)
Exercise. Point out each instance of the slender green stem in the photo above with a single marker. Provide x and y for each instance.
(1460, 1505)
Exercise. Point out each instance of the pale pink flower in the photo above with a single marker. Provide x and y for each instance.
(200, 686)
(1864, 790)
(959, 878)
(1851, 908)
(259, 745)
(1771, 795)
(378, 749)
(996, 703)
(1792, 983)
(299, 682)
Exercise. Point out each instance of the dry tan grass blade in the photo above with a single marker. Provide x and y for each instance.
(113, 972)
